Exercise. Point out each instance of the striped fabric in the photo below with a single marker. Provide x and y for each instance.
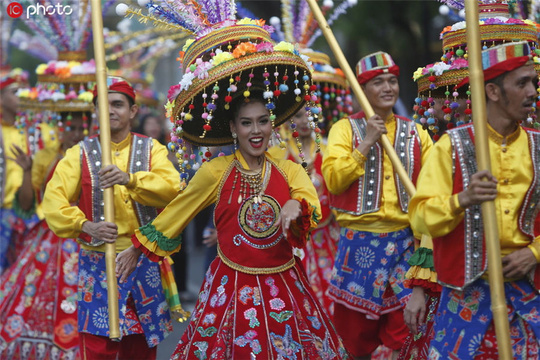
(375, 61)
(498, 54)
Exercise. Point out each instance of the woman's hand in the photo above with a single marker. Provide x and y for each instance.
(291, 211)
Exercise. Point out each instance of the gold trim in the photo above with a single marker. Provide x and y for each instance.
(320, 77)
(451, 77)
(73, 79)
(223, 36)
(255, 271)
(491, 33)
(79, 56)
(316, 57)
(502, 140)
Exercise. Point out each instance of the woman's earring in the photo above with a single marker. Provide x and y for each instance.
(234, 136)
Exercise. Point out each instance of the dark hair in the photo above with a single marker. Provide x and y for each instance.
(140, 127)
(236, 103)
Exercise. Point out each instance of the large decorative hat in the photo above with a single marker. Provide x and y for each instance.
(64, 83)
(445, 79)
(227, 59)
(298, 25)
(375, 64)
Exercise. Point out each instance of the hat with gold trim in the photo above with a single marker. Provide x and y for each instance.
(224, 60)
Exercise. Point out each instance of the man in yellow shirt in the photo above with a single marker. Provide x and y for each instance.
(144, 180)
(447, 206)
(371, 205)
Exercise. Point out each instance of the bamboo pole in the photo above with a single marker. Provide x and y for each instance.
(426, 240)
(495, 276)
(357, 90)
(105, 141)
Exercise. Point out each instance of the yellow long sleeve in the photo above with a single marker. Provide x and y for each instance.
(435, 209)
(343, 164)
(153, 188)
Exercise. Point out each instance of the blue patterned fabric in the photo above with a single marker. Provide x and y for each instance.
(143, 287)
(463, 318)
(370, 269)
(12, 230)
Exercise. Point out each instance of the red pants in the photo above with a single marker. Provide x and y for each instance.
(132, 347)
(361, 336)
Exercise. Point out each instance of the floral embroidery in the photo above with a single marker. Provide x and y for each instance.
(208, 332)
(202, 347)
(274, 290)
(284, 345)
(249, 338)
(282, 316)
(251, 315)
(277, 304)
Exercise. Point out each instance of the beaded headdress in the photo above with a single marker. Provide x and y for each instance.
(298, 25)
(64, 84)
(443, 79)
(226, 59)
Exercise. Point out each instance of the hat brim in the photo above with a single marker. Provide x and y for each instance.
(286, 105)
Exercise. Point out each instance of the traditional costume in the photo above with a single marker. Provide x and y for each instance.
(153, 182)
(439, 107)
(463, 325)
(371, 205)
(256, 301)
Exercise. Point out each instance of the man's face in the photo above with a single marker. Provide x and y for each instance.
(382, 92)
(120, 112)
(9, 100)
(519, 92)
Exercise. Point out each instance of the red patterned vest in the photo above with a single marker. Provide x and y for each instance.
(91, 197)
(250, 240)
(364, 195)
(459, 263)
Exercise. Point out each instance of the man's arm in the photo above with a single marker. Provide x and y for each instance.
(63, 190)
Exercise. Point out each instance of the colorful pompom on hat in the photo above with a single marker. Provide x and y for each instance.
(16, 77)
(375, 64)
(298, 25)
(445, 80)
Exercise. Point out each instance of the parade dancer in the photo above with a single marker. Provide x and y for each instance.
(144, 180)
(371, 205)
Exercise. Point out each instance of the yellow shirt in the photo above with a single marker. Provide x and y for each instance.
(433, 209)
(153, 188)
(41, 167)
(14, 173)
(202, 191)
(343, 164)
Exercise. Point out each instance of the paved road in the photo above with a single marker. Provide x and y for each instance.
(195, 277)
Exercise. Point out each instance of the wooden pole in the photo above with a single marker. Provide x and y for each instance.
(357, 90)
(105, 141)
(364, 103)
(489, 216)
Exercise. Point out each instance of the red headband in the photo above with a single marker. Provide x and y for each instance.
(118, 87)
(370, 74)
(500, 68)
(6, 82)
